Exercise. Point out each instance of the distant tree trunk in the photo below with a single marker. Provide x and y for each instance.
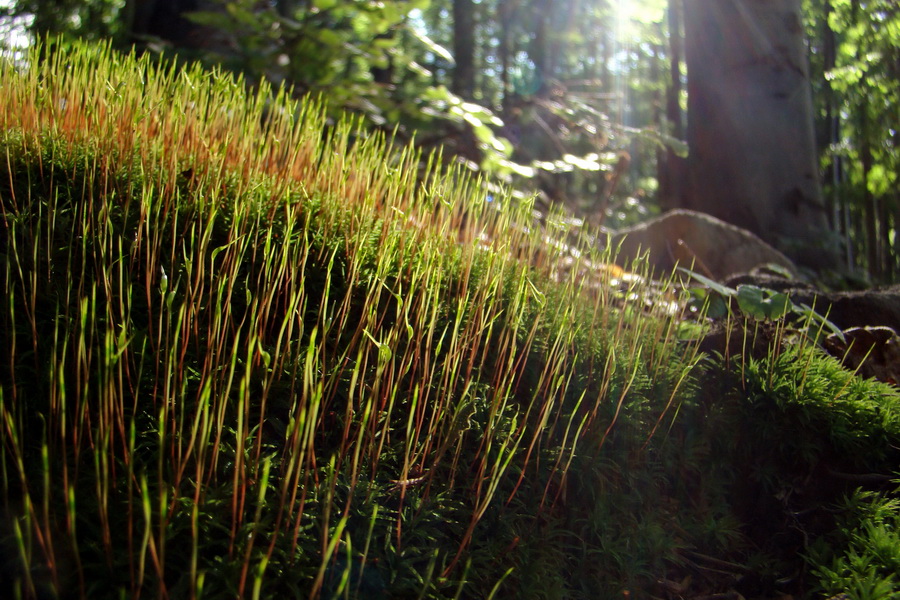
(895, 255)
(606, 80)
(884, 239)
(463, 83)
(870, 203)
(537, 51)
(284, 7)
(659, 121)
(839, 209)
(504, 24)
(671, 166)
(750, 124)
(163, 19)
(831, 130)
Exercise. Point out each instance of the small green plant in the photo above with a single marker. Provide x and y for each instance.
(862, 559)
(759, 303)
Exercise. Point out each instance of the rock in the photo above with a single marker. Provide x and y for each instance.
(879, 306)
(684, 237)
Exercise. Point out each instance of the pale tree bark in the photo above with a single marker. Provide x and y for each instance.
(750, 125)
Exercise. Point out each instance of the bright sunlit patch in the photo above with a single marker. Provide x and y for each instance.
(632, 15)
(632, 20)
(14, 36)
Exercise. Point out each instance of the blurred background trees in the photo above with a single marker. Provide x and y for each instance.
(585, 101)
(855, 63)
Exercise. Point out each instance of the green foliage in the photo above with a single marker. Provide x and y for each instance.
(854, 60)
(863, 557)
(94, 20)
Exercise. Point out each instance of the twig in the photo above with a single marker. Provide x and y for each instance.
(861, 477)
(722, 596)
(716, 562)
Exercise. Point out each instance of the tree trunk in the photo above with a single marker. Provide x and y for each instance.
(895, 265)
(838, 206)
(537, 50)
(750, 125)
(884, 239)
(505, 23)
(870, 203)
(163, 19)
(671, 166)
(463, 84)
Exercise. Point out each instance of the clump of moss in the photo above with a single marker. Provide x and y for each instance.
(248, 354)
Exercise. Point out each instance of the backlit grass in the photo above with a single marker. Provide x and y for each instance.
(250, 354)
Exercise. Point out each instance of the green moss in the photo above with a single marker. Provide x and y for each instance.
(247, 359)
